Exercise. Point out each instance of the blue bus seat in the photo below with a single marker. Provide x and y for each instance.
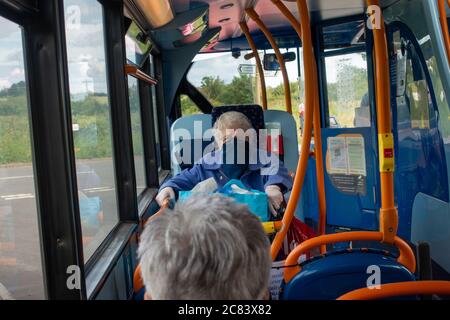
(329, 276)
(189, 133)
(289, 133)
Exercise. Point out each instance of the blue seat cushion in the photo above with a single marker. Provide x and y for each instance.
(332, 275)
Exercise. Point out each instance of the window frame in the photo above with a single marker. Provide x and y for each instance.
(52, 142)
(321, 55)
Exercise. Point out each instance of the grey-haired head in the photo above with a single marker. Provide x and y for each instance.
(207, 247)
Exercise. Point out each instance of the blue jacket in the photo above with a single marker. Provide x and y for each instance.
(251, 178)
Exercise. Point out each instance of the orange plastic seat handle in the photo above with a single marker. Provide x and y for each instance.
(406, 257)
(391, 290)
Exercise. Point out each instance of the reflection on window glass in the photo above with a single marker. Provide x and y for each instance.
(136, 126)
(91, 121)
(20, 259)
(412, 14)
(347, 87)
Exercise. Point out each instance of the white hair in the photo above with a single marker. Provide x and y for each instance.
(230, 121)
(206, 248)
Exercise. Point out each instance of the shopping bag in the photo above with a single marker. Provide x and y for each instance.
(298, 232)
(256, 201)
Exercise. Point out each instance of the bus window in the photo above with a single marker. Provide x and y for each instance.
(347, 87)
(412, 16)
(20, 259)
(136, 127)
(224, 79)
(188, 107)
(91, 123)
(238, 82)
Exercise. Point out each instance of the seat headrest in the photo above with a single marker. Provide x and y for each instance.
(253, 112)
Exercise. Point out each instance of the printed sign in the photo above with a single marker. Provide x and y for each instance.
(338, 155)
(356, 156)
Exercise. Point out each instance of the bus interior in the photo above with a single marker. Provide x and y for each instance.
(94, 95)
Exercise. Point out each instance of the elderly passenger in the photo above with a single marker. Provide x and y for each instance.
(272, 178)
(206, 248)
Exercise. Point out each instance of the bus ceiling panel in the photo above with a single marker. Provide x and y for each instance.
(227, 14)
(284, 37)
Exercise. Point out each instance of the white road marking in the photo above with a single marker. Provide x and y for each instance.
(28, 177)
(19, 196)
(4, 293)
(16, 177)
(100, 189)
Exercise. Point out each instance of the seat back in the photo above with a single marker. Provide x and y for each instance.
(288, 127)
(189, 135)
(332, 275)
(187, 140)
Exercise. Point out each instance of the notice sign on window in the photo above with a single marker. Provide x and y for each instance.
(347, 155)
(356, 156)
(338, 155)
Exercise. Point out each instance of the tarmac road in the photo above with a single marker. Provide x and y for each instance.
(20, 257)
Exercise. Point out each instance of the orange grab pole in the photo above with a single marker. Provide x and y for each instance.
(138, 282)
(292, 20)
(316, 124)
(306, 141)
(406, 257)
(287, 88)
(135, 72)
(388, 211)
(400, 289)
(164, 206)
(444, 25)
(246, 31)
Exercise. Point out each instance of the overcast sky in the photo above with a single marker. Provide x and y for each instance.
(11, 54)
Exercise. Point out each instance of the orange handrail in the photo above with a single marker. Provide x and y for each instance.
(246, 31)
(291, 18)
(164, 206)
(388, 211)
(406, 257)
(138, 282)
(444, 26)
(137, 73)
(287, 88)
(400, 289)
(306, 141)
(316, 123)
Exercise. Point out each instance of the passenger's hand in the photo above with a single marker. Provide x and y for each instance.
(275, 198)
(166, 193)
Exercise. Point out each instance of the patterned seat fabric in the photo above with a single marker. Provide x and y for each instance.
(253, 112)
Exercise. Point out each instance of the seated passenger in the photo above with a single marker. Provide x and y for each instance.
(268, 176)
(206, 248)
